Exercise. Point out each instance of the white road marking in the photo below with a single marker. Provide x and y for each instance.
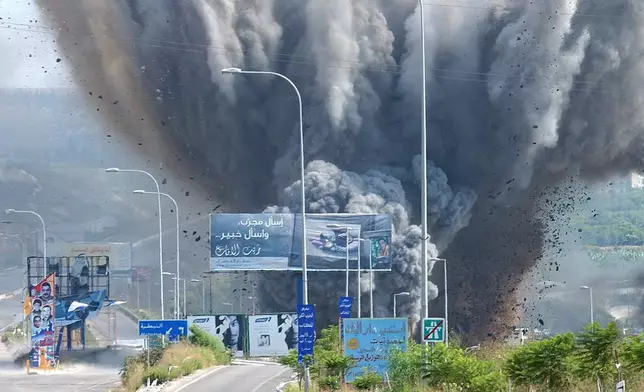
(269, 380)
(208, 373)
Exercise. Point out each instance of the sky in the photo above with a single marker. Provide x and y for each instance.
(29, 53)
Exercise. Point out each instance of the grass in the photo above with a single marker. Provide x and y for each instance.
(633, 384)
(174, 361)
(15, 334)
(178, 360)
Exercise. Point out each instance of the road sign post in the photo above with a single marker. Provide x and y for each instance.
(621, 386)
(306, 331)
(434, 330)
(173, 328)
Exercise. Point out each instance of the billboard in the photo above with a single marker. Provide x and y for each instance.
(120, 254)
(369, 343)
(42, 298)
(231, 329)
(274, 242)
(272, 335)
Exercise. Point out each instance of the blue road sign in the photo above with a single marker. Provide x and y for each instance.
(306, 331)
(344, 306)
(163, 327)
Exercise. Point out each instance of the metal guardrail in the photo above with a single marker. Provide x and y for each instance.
(129, 314)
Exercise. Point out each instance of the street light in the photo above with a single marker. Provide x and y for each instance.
(44, 233)
(178, 287)
(203, 293)
(23, 252)
(590, 291)
(405, 293)
(423, 142)
(305, 279)
(208, 276)
(347, 234)
(445, 290)
(175, 292)
(156, 183)
(176, 210)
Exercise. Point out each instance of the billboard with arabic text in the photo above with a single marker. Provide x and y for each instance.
(120, 254)
(274, 242)
(370, 342)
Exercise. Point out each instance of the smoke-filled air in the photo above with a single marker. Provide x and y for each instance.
(521, 95)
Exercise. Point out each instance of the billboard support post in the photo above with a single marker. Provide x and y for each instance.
(370, 280)
(359, 294)
(346, 284)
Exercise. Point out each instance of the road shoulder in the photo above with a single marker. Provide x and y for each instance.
(182, 383)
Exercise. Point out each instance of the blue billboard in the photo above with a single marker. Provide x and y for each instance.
(274, 242)
(369, 342)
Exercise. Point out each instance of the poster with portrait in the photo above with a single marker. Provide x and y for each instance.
(42, 321)
(231, 329)
(272, 335)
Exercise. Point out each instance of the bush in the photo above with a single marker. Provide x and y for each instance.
(368, 381)
(548, 362)
(596, 352)
(173, 361)
(633, 353)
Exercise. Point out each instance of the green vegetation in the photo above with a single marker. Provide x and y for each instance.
(612, 219)
(174, 360)
(15, 334)
(566, 362)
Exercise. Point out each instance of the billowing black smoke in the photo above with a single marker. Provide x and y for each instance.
(521, 94)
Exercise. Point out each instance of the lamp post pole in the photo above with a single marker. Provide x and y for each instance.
(445, 303)
(423, 142)
(44, 234)
(395, 295)
(176, 210)
(156, 184)
(305, 279)
(592, 311)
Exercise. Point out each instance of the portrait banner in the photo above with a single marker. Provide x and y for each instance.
(42, 322)
(272, 335)
(230, 329)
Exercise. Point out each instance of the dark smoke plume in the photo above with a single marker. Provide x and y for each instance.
(521, 95)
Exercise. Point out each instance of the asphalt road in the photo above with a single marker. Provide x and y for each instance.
(72, 380)
(243, 377)
(103, 327)
(11, 281)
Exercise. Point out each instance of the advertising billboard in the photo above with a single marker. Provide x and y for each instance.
(231, 329)
(272, 335)
(369, 342)
(42, 298)
(120, 254)
(274, 242)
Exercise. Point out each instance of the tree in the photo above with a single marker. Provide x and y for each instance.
(596, 349)
(548, 362)
(633, 353)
